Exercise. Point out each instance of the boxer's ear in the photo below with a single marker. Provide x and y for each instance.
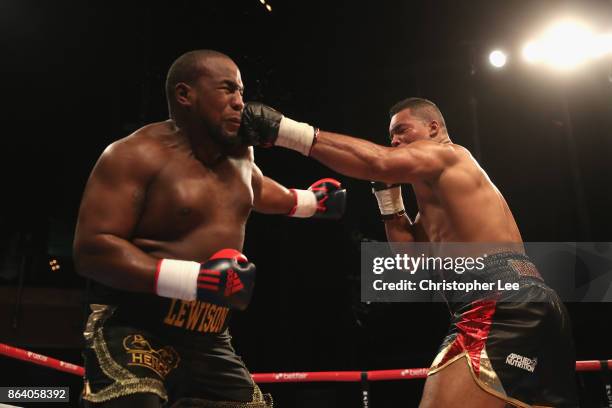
(182, 94)
(434, 128)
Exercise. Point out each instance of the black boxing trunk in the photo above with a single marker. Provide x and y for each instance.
(500, 269)
(518, 344)
(162, 314)
(175, 349)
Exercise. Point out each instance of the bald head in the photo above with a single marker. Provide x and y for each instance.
(188, 68)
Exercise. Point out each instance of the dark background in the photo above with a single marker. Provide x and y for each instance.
(79, 75)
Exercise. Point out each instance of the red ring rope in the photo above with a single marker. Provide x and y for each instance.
(345, 376)
(39, 359)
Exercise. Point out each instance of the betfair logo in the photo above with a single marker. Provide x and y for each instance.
(233, 284)
(161, 361)
(196, 316)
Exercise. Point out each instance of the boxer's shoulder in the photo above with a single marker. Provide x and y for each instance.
(159, 138)
(144, 151)
(149, 142)
(449, 154)
(458, 150)
(439, 155)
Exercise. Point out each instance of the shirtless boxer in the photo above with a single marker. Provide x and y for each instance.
(160, 230)
(515, 350)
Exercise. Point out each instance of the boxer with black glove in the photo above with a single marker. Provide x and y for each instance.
(263, 126)
(457, 202)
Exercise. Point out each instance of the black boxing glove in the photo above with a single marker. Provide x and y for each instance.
(325, 199)
(263, 126)
(389, 197)
(226, 279)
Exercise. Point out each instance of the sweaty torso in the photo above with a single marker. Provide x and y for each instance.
(186, 210)
(462, 205)
(189, 210)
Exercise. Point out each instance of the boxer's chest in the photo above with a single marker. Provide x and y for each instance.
(187, 195)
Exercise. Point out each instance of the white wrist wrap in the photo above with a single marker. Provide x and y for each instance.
(177, 279)
(390, 200)
(305, 204)
(295, 135)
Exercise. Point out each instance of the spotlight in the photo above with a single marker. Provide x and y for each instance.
(563, 46)
(498, 58)
(567, 44)
(531, 52)
(601, 46)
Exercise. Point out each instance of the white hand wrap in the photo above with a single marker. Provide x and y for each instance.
(390, 200)
(177, 279)
(305, 204)
(294, 135)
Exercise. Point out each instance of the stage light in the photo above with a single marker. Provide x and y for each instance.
(563, 46)
(531, 52)
(566, 45)
(600, 46)
(498, 58)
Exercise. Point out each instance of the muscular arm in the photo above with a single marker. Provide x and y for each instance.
(364, 160)
(269, 196)
(111, 206)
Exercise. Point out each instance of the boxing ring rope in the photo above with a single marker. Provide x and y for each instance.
(295, 377)
(39, 359)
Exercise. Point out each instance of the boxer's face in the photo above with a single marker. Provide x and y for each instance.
(218, 100)
(406, 128)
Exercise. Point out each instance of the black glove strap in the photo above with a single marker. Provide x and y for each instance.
(379, 186)
(388, 217)
(314, 140)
